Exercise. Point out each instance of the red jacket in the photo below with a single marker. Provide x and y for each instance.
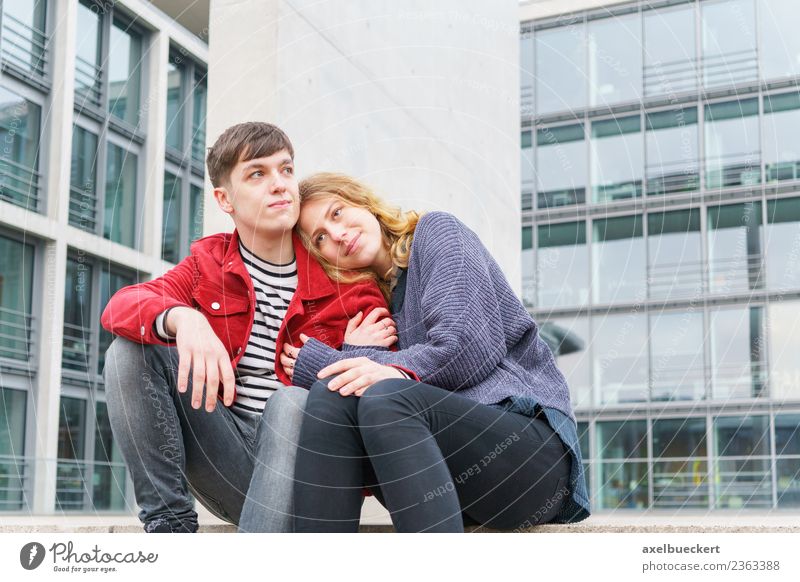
(214, 280)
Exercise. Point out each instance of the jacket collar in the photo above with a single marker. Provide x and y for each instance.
(312, 282)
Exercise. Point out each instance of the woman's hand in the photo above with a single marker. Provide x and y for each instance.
(289, 356)
(376, 329)
(356, 375)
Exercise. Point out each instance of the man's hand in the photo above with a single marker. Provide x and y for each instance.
(200, 349)
(356, 375)
(376, 329)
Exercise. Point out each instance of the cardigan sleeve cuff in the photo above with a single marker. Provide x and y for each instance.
(351, 348)
(313, 357)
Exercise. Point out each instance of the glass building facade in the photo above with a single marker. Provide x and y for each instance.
(661, 244)
(66, 248)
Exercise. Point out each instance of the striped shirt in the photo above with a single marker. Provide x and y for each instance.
(255, 373)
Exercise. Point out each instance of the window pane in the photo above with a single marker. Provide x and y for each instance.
(12, 449)
(787, 434)
(528, 278)
(16, 288)
(620, 264)
(679, 437)
(780, 43)
(119, 223)
(583, 440)
(741, 436)
(783, 244)
(675, 260)
(788, 476)
(70, 475)
(124, 61)
(677, 347)
(526, 72)
(77, 351)
(171, 223)
(195, 212)
(672, 152)
(110, 283)
(623, 486)
(561, 69)
(109, 469)
(625, 439)
(561, 166)
(781, 128)
(734, 248)
(732, 144)
(199, 119)
(729, 42)
(680, 484)
(24, 38)
(615, 59)
(19, 156)
(670, 53)
(87, 63)
(526, 161)
(620, 358)
(175, 109)
(737, 352)
(83, 190)
(562, 265)
(571, 339)
(617, 159)
(784, 341)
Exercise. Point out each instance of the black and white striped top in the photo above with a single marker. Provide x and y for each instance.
(255, 373)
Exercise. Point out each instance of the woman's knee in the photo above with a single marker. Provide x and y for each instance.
(326, 406)
(395, 395)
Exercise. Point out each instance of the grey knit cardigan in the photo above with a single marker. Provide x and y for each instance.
(461, 327)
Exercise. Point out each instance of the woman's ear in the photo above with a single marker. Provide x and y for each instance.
(223, 199)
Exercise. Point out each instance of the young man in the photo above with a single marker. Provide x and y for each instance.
(209, 329)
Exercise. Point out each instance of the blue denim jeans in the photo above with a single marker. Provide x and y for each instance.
(239, 466)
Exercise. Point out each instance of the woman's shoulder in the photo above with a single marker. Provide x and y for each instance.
(436, 224)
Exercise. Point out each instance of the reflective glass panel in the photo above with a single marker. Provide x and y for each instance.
(781, 145)
(119, 223)
(77, 351)
(71, 471)
(196, 213)
(526, 72)
(670, 52)
(171, 223)
(675, 259)
(19, 155)
(24, 38)
(570, 336)
(561, 69)
(16, 288)
(617, 159)
(175, 108)
(787, 434)
(732, 144)
(528, 278)
(526, 161)
(743, 483)
(737, 352)
(109, 469)
(788, 477)
(615, 59)
(729, 42)
(672, 151)
(782, 240)
(736, 262)
(679, 437)
(12, 449)
(110, 283)
(741, 436)
(619, 267)
(562, 264)
(779, 42)
(583, 440)
(676, 340)
(124, 73)
(87, 60)
(624, 439)
(620, 357)
(623, 486)
(784, 342)
(680, 483)
(200, 97)
(561, 166)
(83, 177)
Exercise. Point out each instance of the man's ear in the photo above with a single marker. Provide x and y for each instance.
(223, 199)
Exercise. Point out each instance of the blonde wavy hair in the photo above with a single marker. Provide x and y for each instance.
(397, 227)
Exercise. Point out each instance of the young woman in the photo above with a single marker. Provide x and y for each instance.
(468, 422)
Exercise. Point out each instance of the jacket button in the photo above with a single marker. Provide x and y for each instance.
(141, 330)
(215, 306)
(238, 351)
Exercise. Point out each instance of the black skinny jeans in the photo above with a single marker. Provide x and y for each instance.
(434, 458)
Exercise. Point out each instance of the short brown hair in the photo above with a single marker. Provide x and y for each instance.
(242, 142)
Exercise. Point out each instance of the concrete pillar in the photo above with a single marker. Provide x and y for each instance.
(418, 100)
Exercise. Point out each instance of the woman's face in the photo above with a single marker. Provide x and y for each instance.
(348, 237)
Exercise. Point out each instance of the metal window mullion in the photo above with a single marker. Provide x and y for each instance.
(773, 462)
(711, 468)
(88, 457)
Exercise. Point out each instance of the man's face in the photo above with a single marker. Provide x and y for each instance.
(262, 196)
